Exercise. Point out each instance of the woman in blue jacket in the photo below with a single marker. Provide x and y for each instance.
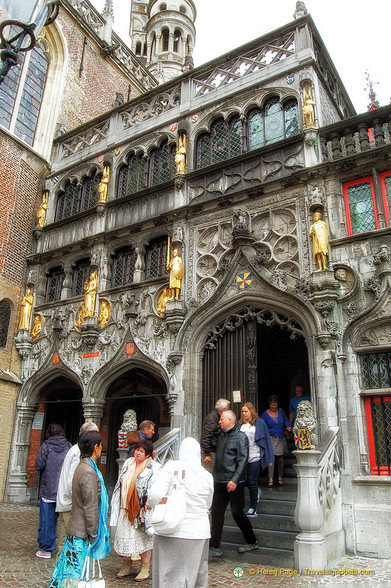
(260, 451)
(277, 422)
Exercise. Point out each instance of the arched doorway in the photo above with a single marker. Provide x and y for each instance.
(145, 393)
(257, 351)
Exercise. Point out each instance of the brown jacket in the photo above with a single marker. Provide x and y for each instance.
(84, 517)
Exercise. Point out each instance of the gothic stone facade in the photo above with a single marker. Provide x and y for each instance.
(253, 314)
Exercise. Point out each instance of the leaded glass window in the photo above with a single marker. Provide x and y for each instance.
(30, 104)
(77, 198)
(131, 177)
(361, 208)
(274, 121)
(123, 266)
(291, 117)
(219, 133)
(8, 89)
(235, 137)
(156, 258)
(203, 151)
(378, 411)
(385, 182)
(81, 275)
(5, 315)
(54, 283)
(376, 370)
(161, 164)
(255, 130)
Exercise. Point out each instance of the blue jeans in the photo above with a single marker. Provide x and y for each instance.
(47, 526)
(253, 469)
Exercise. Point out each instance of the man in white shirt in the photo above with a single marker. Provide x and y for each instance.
(64, 492)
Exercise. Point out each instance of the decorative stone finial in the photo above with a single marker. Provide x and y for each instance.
(301, 10)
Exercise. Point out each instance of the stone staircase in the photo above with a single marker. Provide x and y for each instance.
(274, 526)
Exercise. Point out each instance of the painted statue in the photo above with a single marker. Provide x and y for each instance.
(104, 185)
(25, 311)
(177, 271)
(41, 214)
(320, 241)
(180, 155)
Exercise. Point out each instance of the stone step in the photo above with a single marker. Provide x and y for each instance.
(264, 556)
(266, 537)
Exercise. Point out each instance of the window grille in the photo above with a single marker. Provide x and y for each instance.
(77, 198)
(360, 206)
(156, 258)
(54, 283)
(123, 266)
(81, 275)
(5, 315)
(376, 370)
(378, 412)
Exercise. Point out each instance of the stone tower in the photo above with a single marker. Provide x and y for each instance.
(163, 34)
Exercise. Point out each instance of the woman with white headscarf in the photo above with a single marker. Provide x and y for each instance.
(181, 559)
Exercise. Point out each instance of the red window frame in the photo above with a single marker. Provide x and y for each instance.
(384, 195)
(375, 469)
(346, 186)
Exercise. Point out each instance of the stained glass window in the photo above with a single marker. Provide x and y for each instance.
(5, 315)
(255, 130)
(274, 121)
(291, 117)
(359, 203)
(156, 258)
(123, 266)
(81, 275)
(54, 283)
(30, 104)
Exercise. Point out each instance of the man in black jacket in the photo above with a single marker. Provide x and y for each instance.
(210, 432)
(229, 476)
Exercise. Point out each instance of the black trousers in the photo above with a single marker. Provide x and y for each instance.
(221, 498)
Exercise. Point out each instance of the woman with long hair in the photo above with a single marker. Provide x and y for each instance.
(130, 511)
(87, 530)
(277, 422)
(181, 559)
(260, 451)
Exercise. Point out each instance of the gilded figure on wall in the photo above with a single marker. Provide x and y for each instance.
(104, 313)
(104, 185)
(177, 271)
(320, 241)
(180, 155)
(25, 311)
(37, 327)
(162, 302)
(308, 107)
(41, 214)
(88, 307)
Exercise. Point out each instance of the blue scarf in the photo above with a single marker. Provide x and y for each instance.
(101, 546)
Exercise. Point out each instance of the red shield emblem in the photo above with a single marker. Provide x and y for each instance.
(56, 358)
(130, 347)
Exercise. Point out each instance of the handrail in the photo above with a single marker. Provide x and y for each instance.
(167, 447)
(329, 472)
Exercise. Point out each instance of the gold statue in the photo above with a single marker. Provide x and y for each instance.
(25, 311)
(177, 271)
(104, 313)
(308, 107)
(37, 326)
(162, 302)
(320, 241)
(180, 155)
(41, 214)
(88, 307)
(104, 185)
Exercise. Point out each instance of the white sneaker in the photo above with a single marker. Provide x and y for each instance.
(44, 554)
(251, 512)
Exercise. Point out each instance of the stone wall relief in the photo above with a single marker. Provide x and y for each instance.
(213, 254)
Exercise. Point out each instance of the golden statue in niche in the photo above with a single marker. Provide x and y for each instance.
(177, 271)
(88, 307)
(162, 302)
(104, 313)
(41, 213)
(308, 107)
(37, 326)
(180, 155)
(25, 311)
(104, 185)
(320, 241)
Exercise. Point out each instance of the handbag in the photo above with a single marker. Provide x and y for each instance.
(85, 581)
(168, 514)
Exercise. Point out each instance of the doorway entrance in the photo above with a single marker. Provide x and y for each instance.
(259, 352)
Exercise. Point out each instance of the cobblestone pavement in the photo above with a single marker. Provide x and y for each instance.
(19, 565)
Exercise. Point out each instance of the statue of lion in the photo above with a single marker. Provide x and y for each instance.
(305, 420)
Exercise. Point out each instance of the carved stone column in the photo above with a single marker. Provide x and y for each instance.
(139, 266)
(17, 482)
(66, 291)
(309, 548)
(93, 409)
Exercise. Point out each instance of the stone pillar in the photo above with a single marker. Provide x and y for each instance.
(310, 547)
(17, 482)
(93, 409)
(139, 266)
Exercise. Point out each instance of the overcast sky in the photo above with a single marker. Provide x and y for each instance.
(355, 32)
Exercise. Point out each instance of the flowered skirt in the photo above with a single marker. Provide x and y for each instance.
(70, 563)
